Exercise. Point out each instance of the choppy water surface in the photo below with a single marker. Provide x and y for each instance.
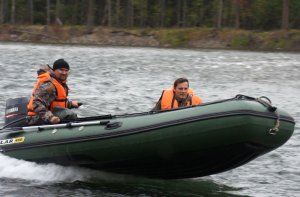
(125, 80)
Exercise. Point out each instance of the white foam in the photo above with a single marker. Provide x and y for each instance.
(19, 169)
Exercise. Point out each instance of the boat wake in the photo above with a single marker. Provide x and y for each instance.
(26, 176)
(12, 168)
(65, 180)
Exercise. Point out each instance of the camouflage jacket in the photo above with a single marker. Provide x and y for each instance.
(44, 95)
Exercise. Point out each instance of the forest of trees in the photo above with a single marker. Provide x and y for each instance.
(243, 14)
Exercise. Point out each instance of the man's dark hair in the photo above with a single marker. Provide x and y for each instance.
(180, 80)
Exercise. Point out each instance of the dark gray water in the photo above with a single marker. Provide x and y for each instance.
(125, 80)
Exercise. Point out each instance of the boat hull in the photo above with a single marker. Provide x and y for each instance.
(185, 143)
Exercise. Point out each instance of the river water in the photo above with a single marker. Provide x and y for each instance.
(121, 80)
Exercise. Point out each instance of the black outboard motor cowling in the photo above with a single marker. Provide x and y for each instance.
(16, 111)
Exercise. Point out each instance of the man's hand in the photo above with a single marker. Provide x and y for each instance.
(54, 119)
(76, 104)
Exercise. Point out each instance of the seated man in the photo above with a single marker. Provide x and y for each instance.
(178, 96)
(49, 94)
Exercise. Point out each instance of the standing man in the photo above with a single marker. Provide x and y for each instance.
(49, 92)
(179, 95)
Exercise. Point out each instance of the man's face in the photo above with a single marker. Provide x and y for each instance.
(61, 74)
(181, 90)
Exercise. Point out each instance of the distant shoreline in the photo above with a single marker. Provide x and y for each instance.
(194, 38)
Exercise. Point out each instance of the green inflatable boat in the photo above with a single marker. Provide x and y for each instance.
(182, 143)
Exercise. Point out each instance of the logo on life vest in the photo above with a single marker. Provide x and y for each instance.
(12, 141)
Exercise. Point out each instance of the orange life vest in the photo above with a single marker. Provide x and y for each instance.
(168, 100)
(61, 93)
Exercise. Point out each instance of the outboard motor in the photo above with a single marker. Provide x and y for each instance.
(16, 112)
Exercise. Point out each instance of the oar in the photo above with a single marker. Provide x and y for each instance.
(53, 126)
(13, 122)
(64, 125)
